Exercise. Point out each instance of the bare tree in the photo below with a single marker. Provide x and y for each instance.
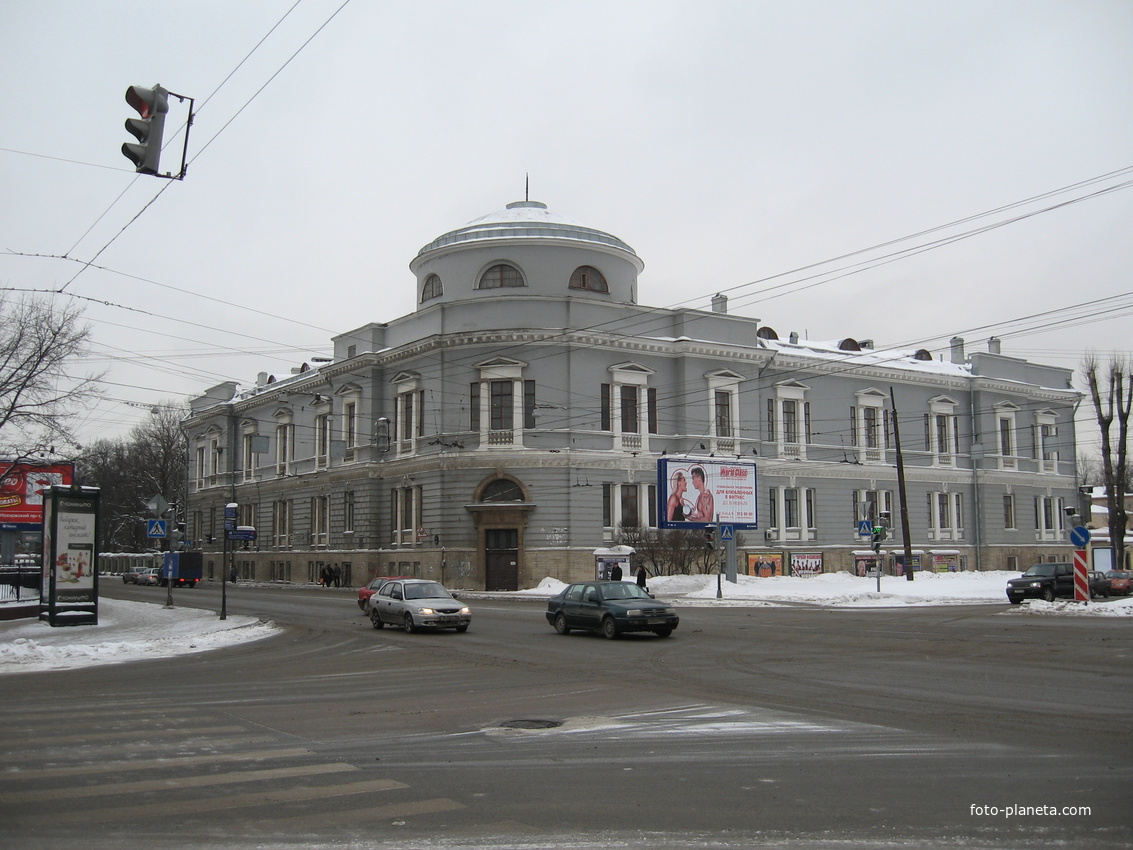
(1112, 395)
(39, 340)
(129, 472)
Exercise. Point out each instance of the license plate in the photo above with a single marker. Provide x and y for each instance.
(656, 622)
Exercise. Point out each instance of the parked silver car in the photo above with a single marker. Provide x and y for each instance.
(416, 604)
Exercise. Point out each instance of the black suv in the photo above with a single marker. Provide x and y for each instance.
(1042, 581)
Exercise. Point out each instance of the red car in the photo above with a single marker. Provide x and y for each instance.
(366, 591)
(1119, 582)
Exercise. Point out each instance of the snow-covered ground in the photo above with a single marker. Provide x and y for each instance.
(128, 631)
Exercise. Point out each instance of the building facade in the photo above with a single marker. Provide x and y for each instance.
(511, 425)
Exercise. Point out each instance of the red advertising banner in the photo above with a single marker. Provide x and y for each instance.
(23, 485)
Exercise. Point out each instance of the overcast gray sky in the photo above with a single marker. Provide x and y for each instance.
(730, 143)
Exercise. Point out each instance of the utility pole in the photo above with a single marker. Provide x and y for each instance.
(901, 491)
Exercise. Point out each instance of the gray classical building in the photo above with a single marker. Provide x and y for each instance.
(512, 424)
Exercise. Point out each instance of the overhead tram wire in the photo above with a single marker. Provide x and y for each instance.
(174, 136)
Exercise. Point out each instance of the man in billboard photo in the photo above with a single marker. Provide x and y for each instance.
(705, 508)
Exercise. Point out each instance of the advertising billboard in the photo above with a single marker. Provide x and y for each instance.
(697, 491)
(69, 593)
(22, 486)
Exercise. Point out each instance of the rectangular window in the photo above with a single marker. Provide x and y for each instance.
(853, 426)
(1006, 443)
(607, 506)
(248, 457)
(350, 423)
(723, 413)
(651, 402)
(943, 435)
(630, 516)
(405, 415)
(502, 407)
(772, 434)
(651, 515)
(606, 416)
(348, 511)
(629, 396)
(811, 510)
(773, 508)
(528, 404)
(200, 467)
(869, 425)
(791, 507)
(284, 446)
(790, 421)
(1008, 510)
(322, 439)
(474, 407)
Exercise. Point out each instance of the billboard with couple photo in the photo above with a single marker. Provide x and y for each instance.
(696, 492)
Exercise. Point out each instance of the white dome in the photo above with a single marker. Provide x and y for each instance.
(525, 219)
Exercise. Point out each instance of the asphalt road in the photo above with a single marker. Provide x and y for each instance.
(750, 727)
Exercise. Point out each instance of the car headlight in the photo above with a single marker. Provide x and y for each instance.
(425, 611)
(671, 611)
(466, 610)
(1036, 584)
(635, 612)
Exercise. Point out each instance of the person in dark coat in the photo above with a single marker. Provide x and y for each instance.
(641, 575)
(616, 572)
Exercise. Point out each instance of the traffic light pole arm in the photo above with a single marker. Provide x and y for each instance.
(185, 148)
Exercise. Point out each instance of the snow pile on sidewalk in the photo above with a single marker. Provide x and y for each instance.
(849, 591)
(126, 631)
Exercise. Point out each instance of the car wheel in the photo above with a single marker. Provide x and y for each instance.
(409, 626)
(463, 628)
(1015, 601)
(1047, 594)
(662, 632)
(609, 628)
(560, 624)
(376, 618)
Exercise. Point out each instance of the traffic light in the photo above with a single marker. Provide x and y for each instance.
(710, 537)
(151, 104)
(878, 536)
(177, 538)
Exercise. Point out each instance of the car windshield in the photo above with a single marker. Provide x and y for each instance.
(426, 590)
(623, 590)
(1117, 574)
(1040, 570)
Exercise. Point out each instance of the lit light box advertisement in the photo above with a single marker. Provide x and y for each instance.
(699, 491)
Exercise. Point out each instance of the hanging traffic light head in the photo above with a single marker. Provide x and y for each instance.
(151, 104)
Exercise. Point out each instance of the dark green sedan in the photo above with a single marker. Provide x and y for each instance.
(612, 607)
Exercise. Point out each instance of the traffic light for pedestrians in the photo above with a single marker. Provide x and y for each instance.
(151, 105)
(878, 537)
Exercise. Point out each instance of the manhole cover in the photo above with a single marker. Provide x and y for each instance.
(531, 724)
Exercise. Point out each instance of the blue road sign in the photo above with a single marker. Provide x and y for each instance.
(1080, 536)
(155, 528)
(865, 527)
(727, 532)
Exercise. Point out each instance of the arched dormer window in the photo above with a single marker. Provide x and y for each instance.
(590, 279)
(432, 288)
(499, 276)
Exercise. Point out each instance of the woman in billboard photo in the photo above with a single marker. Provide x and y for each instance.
(675, 507)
